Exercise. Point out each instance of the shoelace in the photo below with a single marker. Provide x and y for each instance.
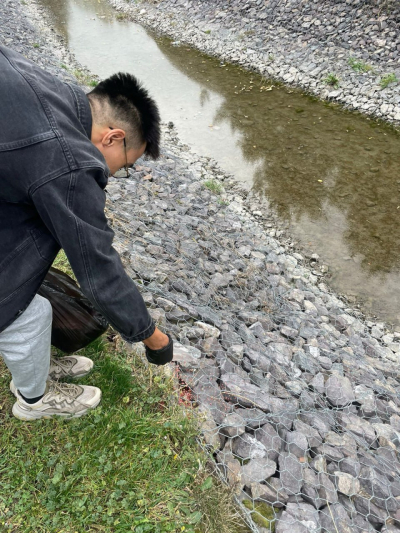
(62, 365)
(65, 389)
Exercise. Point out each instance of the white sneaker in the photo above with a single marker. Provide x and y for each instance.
(70, 366)
(60, 399)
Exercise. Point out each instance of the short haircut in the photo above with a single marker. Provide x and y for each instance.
(122, 99)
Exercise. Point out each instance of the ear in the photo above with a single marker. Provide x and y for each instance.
(112, 136)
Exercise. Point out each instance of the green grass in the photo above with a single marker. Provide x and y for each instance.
(332, 80)
(264, 515)
(132, 464)
(387, 80)
(36, 45)
(214, 186)
(359, 66)
(84, 78)
(61, 262)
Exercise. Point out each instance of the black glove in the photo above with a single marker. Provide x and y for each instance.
(161, 356)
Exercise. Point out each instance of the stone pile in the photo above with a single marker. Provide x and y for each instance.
(300, 397)
(298, 42)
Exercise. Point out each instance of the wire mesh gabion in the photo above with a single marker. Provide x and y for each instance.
(300, 401)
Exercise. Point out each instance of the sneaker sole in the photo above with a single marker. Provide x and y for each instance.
(31, 415)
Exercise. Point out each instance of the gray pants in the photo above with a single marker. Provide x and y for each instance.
(25, 347)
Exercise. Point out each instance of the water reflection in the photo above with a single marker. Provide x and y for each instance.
(325, 170)
(331, 174)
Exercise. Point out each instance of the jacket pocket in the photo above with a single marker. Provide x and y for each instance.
(46, 245)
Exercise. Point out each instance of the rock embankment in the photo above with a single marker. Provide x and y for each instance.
(347, 51)
(300, 396)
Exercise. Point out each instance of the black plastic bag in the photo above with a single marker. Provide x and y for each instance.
(76, 323)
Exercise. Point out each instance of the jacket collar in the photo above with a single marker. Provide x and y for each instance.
(83, 108)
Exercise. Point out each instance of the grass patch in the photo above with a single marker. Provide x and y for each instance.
(61, 262)
(121, 16)
(332, 80)
(83, 78)
(387, 80)
(359, 66)
(213, 186)
(263, 515)
(132, 464)
(36, 45)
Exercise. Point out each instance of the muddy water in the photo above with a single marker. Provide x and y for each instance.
(333, 176)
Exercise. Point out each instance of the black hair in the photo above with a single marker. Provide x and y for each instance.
(131, 104)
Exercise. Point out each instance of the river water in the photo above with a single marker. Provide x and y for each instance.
(332, 175)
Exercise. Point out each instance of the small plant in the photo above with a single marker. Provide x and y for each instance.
(213, 186)
(223, 202)
(332, 80)
(271, 57)
(36, 45)
(64, 66)
(84, 78)
(121, 16)
(359, 66)
(387, 80)
(207, 32)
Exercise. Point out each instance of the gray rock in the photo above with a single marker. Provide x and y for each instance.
(326, 489)
(319, 464)
(248, 447)
(209, 331)
(270, 439)
(299, 518)
(376, 516)
(361, 429)
(254, 418)
(296, 443)
(313, 437)
(270, 492)
(233, 425)
(345, 443)
(291, 472)
(321, 422)
(335, 519)
(280, 353)
(230, 468)
(257, 470)
(288, 332)
(339, 391)
(351, 466)
(331, 453)
(318, 383)
(346, 484)
(378, 487)
(188, 357)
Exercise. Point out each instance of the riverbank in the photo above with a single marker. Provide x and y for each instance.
(301, 395)
(347, 52)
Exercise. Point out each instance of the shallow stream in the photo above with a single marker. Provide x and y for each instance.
(332, 175)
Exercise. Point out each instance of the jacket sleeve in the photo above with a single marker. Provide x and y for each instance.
(72, 208)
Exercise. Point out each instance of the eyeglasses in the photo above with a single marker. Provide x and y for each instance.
(126, 156)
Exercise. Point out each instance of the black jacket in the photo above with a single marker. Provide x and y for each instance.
(52, 181)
